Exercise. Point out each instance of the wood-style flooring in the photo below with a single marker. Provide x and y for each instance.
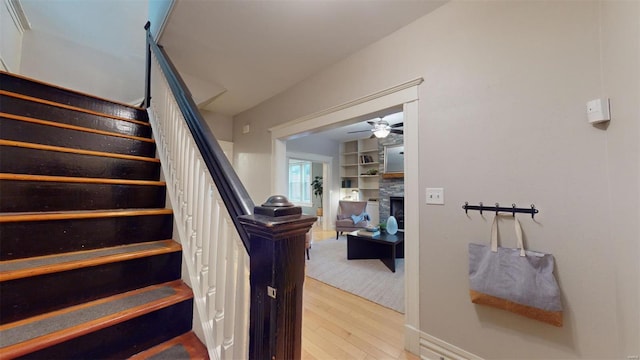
(339, 325)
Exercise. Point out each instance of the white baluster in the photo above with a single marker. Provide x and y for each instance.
(221, 276)
(206, 237)
(230, 295)
(191, 202)
(243, 291)
(198, 214)
(210, 290)
(217, 261)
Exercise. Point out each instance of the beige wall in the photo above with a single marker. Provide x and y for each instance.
(502, 119)
(221, 125)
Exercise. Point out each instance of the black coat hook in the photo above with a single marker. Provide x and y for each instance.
(513, 209)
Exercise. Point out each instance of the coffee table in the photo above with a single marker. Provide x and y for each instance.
(385, 247)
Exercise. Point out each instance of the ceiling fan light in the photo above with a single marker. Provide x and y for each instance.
(381, 132)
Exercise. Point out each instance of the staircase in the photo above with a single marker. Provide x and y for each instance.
(88, 267)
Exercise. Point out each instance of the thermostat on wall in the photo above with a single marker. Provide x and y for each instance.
(598, 111)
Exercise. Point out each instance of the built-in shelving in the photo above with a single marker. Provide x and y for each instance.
(360, 173)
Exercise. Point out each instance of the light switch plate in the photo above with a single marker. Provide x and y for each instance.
(435, 196)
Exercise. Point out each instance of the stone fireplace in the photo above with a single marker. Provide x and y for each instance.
(396, 209)
(389, 187)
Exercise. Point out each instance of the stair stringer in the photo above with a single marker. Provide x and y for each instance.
(207, 234)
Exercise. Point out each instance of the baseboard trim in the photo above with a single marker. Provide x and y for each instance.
(432, 348)
(411, 339)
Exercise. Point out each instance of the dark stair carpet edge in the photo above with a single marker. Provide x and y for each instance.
(185, 346)
(27, 335)
(176, 352)
(13, 269)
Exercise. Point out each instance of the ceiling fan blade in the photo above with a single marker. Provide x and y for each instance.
(395, 131)
(372, 122)
(397, 125)
(359, 131)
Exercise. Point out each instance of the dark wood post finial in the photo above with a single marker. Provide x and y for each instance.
(277, 243)
(147, 67)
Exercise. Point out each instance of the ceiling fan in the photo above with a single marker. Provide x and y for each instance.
(381, 128)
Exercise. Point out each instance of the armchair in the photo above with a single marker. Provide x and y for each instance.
(351, 216)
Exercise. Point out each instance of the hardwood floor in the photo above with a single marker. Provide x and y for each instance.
(319, 234)
(339, 325)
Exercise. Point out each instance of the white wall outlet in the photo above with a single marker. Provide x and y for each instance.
(435, 196)
(598, 111)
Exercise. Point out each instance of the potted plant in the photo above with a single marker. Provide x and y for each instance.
(316, 184)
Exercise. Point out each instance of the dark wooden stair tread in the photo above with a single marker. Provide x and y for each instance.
(88, 268)
(19, 105)
(34, 266)
(38, 332)
(84, 214)
(70, 179)
(69, 107)
(75, 151)
(73, 127)
(185, 346)
(29, 86)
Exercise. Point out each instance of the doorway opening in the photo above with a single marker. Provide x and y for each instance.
(404, 95)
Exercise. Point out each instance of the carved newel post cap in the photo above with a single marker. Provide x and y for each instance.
(277, 205)
(277, 201)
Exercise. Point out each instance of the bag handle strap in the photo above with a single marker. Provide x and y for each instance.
(494, 235)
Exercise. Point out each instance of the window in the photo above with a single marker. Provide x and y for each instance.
(300, 182)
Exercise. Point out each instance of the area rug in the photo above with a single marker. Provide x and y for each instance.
(369, 279)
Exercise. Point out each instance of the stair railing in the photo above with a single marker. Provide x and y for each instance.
(248, 306)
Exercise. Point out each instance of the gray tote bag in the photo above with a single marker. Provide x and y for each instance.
(515, 280)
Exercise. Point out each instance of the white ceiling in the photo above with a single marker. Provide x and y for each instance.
(234, 54)
(249, 51)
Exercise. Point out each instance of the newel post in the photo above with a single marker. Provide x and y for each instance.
(277, 246)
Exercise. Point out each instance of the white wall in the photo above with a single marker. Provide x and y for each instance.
(96, 47)
(11, 30)
(57, 60)
(502, 119)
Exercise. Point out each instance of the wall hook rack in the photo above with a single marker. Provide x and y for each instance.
(497, 208)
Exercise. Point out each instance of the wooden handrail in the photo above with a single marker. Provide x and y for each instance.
(233, 193)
